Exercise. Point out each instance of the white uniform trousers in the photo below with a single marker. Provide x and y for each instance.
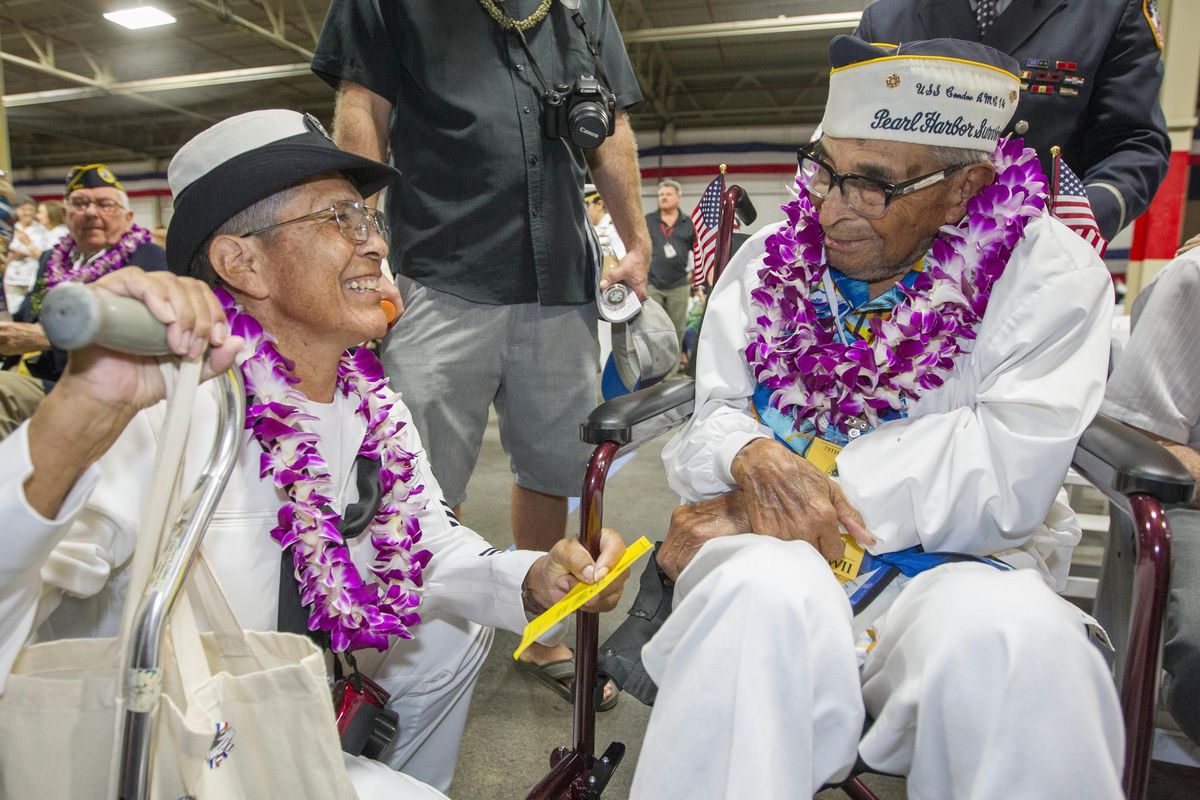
(431, 679)
(982, 684)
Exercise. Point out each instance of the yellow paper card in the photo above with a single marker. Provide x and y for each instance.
(846, 568)
(580, 594)
(823, 456)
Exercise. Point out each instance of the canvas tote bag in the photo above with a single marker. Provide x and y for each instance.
(243, 715)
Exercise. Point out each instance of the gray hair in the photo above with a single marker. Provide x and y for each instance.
(957, 156)
(674, 184)
(262, 214)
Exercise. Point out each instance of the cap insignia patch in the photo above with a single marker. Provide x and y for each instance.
(314, 126)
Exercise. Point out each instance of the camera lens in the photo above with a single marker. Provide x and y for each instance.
(588, 124)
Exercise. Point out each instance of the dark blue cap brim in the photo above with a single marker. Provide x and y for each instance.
(846, 50)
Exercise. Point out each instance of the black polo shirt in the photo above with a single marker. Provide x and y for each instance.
(670, 271)
(486, 207)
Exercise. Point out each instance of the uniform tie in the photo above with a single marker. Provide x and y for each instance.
(985, 14)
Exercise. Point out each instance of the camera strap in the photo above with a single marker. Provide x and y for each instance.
(519, 27)
(577, 18)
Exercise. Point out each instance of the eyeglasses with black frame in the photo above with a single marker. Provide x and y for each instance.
(354, 220)
(867, 197)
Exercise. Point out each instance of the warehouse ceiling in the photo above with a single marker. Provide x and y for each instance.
(78, 87)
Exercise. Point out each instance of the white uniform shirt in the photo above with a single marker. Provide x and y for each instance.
(78, 564)
(1156, 383)
(976, 466)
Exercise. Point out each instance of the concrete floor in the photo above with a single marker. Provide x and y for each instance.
(515, 722)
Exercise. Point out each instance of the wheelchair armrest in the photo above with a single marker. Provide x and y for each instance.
(640, 416)
(1120, 461)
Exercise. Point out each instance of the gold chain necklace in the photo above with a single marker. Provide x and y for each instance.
(507, 22)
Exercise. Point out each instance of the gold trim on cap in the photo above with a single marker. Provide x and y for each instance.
(855, 65)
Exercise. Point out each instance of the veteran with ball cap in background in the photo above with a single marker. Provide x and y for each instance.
(889, 390)
(102, 237)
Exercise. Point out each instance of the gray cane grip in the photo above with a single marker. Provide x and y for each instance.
(74, 316)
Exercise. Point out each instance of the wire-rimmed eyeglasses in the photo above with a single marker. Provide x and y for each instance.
(354, 219)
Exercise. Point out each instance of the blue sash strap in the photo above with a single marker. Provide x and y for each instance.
(909, 563)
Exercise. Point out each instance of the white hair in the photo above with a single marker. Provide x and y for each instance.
(956, 156)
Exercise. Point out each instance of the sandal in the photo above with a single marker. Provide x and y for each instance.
(560, 677)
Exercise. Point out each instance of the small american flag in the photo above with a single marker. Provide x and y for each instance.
(1069, 203)
(706, 219)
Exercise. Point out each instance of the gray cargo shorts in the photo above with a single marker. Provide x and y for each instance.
(451, 359)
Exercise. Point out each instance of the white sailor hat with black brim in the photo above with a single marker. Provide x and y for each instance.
(938, 92)
(646, 347)
(239, 161)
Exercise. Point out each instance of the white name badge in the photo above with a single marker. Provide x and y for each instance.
(669, 250)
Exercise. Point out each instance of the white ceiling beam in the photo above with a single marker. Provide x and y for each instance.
(101, 86)
(164, 84)
(221, 11)
(847, 20)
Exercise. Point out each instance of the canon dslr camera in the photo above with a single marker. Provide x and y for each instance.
(585, 113)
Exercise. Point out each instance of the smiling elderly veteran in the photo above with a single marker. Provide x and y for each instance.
(101, 237)
(271, 211)
(921, 324)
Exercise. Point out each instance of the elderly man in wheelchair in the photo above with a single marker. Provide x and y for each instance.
(890, 389)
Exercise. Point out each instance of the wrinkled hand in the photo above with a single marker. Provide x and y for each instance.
(633, 270)
(569, 563)
(126, 384)
(18, 338)
(787, 497)
(693, 524)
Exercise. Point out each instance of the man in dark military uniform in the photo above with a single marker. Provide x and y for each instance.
(1090, 75)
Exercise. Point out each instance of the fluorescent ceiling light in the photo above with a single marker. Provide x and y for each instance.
(140, 17)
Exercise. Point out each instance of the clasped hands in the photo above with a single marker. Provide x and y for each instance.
(779, 494)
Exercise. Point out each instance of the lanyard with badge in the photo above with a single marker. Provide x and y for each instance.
(823, 453)
(668, 248)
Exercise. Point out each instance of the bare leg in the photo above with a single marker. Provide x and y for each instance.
(538, 520)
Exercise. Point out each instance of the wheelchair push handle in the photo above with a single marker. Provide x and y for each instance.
(742, 207)
(75, 316)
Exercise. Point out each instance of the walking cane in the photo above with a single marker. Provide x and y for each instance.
(575, 772)
(74, 317)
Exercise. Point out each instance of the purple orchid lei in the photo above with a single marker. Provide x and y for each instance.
(356, 613)
(813, 376)
(59, 268)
